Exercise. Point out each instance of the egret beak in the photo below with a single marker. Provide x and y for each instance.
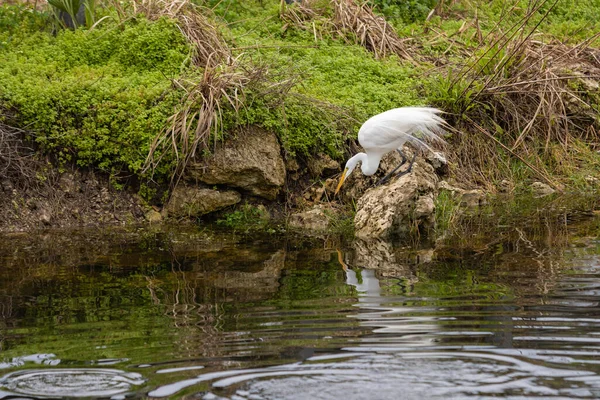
(342, 179)
(341, 260)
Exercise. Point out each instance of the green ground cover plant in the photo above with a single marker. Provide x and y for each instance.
(150, 78)
(94, 97)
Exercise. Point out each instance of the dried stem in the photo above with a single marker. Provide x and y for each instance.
(349, 20)
(209, 46)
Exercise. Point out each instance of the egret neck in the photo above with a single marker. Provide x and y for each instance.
(368, 165)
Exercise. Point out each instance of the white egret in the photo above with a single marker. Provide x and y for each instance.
(389, 131)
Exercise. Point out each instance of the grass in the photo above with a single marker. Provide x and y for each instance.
(158, 83)
(546, 220)
(95, 98)
(248, 218)
(507, 130)
(447, 210)
(341, 223)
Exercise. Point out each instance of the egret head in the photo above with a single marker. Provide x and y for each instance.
(350, 165)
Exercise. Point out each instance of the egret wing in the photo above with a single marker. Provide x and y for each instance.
(391, 129)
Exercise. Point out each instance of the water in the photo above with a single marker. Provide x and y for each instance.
(501, 309)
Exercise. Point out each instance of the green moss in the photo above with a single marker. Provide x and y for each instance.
(330, 71)
(97, 97)
(248, 218)
(405, 10)
(17, 21)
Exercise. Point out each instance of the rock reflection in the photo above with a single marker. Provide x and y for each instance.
(195, 299)
(389, 259)
(411, 296)
(379, 313)
(176, 292)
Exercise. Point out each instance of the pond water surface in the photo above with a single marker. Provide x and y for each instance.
(501, 309)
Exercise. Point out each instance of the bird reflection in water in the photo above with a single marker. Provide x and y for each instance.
(399, 324)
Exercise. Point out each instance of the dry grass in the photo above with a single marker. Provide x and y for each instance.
(302, 14)
(537, 107)
(530, 100)
(370, 30)
(349, 20)
(198, 119)
(17, 164)
(221, 81)
(545, 96)
(209, 46)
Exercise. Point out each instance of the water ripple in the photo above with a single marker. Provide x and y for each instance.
(69, 382)
(453, 346)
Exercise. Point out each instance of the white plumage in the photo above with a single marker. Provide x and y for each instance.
(389, 131)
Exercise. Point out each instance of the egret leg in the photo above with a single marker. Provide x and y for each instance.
(409, 169)
(389, 175)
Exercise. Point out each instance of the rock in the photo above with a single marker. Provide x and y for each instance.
(153, 216)
(397, 208)
(540, 189)
(45, 217)
(322, 163)
(357, 184)
(468, 198)
(329, 186)
(589, 84)
(473, 198)
(252, 161)
(311, 220)
(314, 193)
(189, 201)
(67, 183)
(438, 161)
(424, 256)
(506, 186)
(7, 186)
(444, 185)
(424, 206)
(318, 193)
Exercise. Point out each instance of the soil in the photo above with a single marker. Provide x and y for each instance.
(68, 199)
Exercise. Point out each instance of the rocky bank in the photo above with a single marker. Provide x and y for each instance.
(248, 168)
